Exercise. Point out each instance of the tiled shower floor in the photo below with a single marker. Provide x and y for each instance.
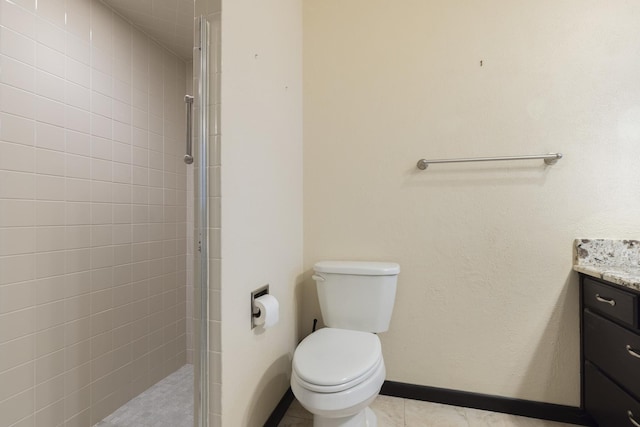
(396, 412)
(169, 403)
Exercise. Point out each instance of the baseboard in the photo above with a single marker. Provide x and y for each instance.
(526, 408)
(506, 405)
(278, 413)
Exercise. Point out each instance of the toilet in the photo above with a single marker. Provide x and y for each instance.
(338, 370)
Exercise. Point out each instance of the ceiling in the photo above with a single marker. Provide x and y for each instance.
(170, 22)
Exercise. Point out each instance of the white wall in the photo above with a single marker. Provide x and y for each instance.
(261, 199)
(487, 301)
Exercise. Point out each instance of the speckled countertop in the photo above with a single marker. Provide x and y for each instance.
(616, 261)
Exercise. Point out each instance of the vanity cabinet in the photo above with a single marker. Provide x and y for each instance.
(610, 320)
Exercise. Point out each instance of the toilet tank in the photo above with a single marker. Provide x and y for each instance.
(356, 295)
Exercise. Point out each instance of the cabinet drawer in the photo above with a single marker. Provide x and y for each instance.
(614, 349)
(611, 301)
(607, 403)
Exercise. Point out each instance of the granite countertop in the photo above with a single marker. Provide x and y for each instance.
(616, 261)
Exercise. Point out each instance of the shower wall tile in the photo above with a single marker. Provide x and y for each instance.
(188, 259)
(16, 129)
(17, 46)
(93, 213)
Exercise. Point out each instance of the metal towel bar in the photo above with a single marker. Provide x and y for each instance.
(188, 158)
(549, 159)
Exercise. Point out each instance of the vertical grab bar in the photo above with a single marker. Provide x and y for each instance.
(188, 158)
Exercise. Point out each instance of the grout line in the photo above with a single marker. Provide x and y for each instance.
(404, 412)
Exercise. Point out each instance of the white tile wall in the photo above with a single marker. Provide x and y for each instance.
(92, 212)
(168, 21)
(190, 239)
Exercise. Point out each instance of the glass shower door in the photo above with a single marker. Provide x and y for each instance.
(201, 222)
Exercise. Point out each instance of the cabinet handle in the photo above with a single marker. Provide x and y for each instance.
(633, 352)
(609, 301)
(633, 421)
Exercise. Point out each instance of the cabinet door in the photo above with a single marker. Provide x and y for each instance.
(614, 349)
(607, 403)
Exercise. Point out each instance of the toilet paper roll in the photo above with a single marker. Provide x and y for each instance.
(269, 309)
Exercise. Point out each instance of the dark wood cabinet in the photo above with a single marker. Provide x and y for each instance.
(610, 353)
(621, 305)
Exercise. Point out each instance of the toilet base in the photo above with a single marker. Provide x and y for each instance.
(364, 418)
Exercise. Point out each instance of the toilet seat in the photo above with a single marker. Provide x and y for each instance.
(332, 360)
(344, 403)
(338, 387)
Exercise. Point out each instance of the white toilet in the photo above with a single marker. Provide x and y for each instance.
(338, 370)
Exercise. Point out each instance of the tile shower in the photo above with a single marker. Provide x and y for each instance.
(93, 212)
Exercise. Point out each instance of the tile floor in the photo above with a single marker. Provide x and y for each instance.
(396, 412)
(169, 403)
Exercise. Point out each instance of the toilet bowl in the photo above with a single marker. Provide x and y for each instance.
(337, 373)
(339, 370)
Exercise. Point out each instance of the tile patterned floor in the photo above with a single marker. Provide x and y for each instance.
(396, 412)
(169, 403)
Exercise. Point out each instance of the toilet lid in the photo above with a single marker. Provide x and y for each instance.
(333, 356)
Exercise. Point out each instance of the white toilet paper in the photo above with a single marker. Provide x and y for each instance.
(269, 309)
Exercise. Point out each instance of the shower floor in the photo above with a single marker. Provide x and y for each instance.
(169, 403)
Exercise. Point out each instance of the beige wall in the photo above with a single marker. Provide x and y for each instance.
(487, 301)
(261, 199)
(92, 213)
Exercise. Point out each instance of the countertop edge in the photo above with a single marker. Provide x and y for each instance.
(617, 275)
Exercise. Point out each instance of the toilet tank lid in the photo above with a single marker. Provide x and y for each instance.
(363, 268)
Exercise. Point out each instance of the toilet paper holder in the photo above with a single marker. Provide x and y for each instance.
(255, 311)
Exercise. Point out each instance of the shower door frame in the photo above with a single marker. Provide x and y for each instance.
(201, 352)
